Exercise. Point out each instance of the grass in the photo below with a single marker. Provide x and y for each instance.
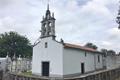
(29, 73)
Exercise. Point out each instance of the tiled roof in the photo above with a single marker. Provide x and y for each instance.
(67, 45)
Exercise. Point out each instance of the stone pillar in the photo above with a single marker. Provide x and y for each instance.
(53, 28)
(47, 29)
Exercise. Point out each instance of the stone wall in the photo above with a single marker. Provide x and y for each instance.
(113, 74)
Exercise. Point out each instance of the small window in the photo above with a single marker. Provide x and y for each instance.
(98, 58)
(46, 45)
(85, 54)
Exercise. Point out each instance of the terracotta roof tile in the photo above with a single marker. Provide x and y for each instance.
(67, 45)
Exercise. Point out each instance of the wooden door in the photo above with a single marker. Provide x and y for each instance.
(45, 68)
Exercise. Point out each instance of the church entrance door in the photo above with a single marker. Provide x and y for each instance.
(45, 68)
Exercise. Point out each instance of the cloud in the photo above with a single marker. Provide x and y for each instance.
(96, 8)
(106, 43)
(114, 34)
(114, 31)
(77, 21)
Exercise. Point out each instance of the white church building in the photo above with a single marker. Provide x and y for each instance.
(59, 59)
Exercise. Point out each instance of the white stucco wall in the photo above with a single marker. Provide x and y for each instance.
(100, 64)
(63, 61)
(53, 54)
(72, 59)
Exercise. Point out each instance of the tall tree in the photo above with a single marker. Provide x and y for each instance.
(104, 51)
(91, 45)
(12, 43)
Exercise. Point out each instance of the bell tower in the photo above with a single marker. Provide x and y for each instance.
(48, 24)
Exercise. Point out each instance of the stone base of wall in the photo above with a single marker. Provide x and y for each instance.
(50, 76)
(68, 75)
(113, 74)
(79, 74)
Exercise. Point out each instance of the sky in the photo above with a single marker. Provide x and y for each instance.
(77, 21)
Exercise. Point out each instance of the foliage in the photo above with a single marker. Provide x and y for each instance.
(111, 52)
(29, 73)
(91, 45)
(104, 51)
(12, 43)
(108, 52)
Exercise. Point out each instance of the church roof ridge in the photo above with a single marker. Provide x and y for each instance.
(69, 45)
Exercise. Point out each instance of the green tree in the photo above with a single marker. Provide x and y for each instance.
(111, 52)
(12, 43)
(104, 51)
(91, 45)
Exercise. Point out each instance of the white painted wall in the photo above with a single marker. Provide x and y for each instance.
(72, 59)
(63, 61)
(53, 54)
(99, 65)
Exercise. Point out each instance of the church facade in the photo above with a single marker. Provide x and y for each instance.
(60, 59)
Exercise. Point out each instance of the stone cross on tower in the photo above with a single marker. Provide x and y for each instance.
(48, 24)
